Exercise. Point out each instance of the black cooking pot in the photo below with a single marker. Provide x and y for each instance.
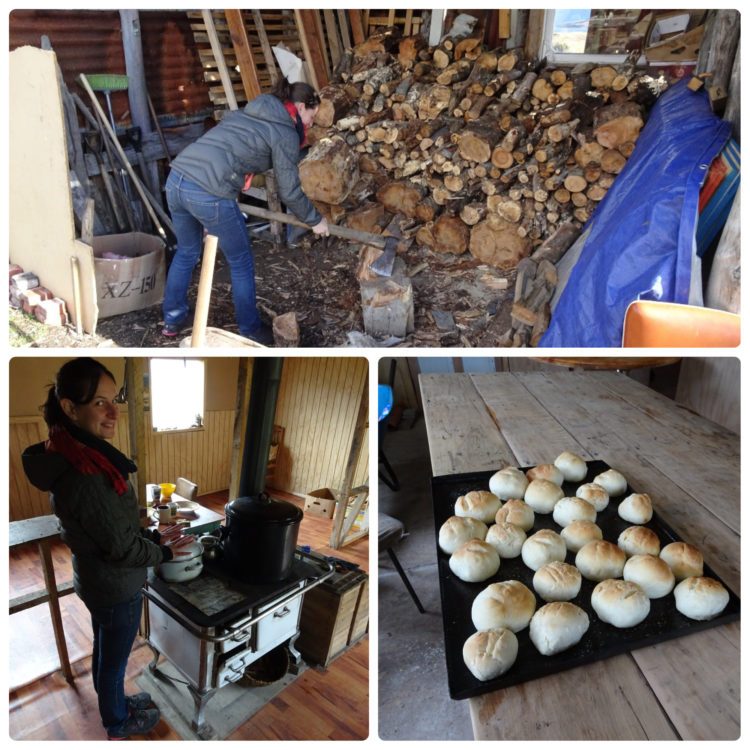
(260, 538)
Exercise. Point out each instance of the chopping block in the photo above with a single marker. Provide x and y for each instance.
(388, 303)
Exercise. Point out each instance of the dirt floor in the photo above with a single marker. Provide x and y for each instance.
(458, 302)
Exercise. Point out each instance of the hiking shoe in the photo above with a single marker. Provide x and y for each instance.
(171, 330)
(263, 334)
(138, 702)
(139, 722)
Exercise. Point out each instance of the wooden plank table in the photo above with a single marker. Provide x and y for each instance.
(687, 688)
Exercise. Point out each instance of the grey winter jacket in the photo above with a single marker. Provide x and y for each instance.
(249, 141)
(102, 529)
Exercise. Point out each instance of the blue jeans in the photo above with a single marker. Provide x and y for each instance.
(193, 209)
(114, 629)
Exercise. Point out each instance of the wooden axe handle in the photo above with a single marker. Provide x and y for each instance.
(355, 235)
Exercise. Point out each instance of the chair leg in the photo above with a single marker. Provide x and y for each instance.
(388, 475)
(408, 585)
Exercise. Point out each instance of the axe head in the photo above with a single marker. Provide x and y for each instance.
(383, 266)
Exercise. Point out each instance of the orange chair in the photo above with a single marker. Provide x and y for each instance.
(670, 325)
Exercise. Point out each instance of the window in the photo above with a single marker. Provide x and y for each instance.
(177, 394)
(605, 36)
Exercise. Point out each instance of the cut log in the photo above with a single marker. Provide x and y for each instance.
(451, 235)
(408, 48)
(424, 236)
(589, 153)
(522, 91)
(473, 213)
(475, 144)
(616, 124)
(400, 197)
(457, 71)
(426, 209)
(507, 209)
(464, 46)
(555, 117)
(433, 101)
(602, 77)
(612, 161)
(542, 89)
(555, 246)
(508, 61)
(558, 133)
(335, 102)
(501, 158)
(329, 171)
(369, 218)
(286, 330)
(575, 182)
(498, 245)
(388, 304)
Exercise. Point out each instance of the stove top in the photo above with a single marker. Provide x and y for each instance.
(215, 598)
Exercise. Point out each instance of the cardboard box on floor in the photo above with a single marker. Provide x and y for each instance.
(132, 282)
(320, 503)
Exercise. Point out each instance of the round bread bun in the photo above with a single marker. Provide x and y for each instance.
(612, 481)
(490, 653)
(557, 582)
(507, 539)
(457, 531)
(636, 508)
(685, 560)
(700, 598)
(508, 483)
(478, 504)
(594, 494)
(620, 603)
(599, 561)
(475, 561)
(507, 604)
(638, 540)
(572, 466)
(541, 495)
(550, 472)
(569, 509)
(542, 548)
(580, 533)
(652, 574)
(516, 512)
(557, 626)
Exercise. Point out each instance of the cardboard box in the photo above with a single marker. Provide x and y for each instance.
(320, 503)
(133, 281)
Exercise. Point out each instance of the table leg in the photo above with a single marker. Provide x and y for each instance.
(54, 608)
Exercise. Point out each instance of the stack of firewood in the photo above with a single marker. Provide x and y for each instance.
(471, 149)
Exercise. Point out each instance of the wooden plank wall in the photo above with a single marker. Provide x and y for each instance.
(317, 406)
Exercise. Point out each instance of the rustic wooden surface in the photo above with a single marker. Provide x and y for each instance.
(688, 688)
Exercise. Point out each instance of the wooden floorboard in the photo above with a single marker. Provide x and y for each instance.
(330, 704)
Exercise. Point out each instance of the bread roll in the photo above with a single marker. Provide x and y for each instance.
(612, 481)
(580, 533)
(620, 603)
(508, 483)
(550, 472)
(700, 598)
(507, 604)
(572, 466)
(475, 561)
(594, 494)
(598, 561)
(569, 509)
(516, 512)
(541, 495)
(490, 653)
(557, 582)
(685, 560)
(636, 508)
(651, 573)
(557, 626)
(542, 548)
(507, 539)
(478, 504)
(638, 540)
(457, 531)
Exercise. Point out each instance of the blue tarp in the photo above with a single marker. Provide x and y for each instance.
(641, 236)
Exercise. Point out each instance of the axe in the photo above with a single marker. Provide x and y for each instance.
(382, 266)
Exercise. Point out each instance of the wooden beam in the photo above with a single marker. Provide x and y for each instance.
(213, 39)
(312, 46)
(323, 45)
(41, 596)
(344, 28)
(265, 45)
(135, 369)
(333, 36)
(50, 584)
(244, 381)
(243, 50)
(534, 33)
(503, 24)
(358, 30)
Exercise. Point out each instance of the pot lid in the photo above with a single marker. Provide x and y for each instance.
(187, 553)
(263, 509)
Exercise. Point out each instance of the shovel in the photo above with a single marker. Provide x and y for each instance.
(382, 266)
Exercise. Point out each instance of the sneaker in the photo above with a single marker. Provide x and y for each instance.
(172, 329)
(138, 702)
(263, 334)
(139, 722)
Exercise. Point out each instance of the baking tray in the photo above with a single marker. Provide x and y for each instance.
(601, 641)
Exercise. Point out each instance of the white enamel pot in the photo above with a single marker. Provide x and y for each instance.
(185, 567)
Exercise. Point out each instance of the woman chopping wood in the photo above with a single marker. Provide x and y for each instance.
(98, 512)
(206, 179)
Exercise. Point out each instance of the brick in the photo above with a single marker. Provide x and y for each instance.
(51, 312)
(14, 299)
(23, 281)
(13, 270)
(30, 298)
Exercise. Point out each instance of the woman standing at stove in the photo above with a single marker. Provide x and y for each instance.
(91, 495)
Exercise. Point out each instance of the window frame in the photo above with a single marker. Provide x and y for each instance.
(176, 430)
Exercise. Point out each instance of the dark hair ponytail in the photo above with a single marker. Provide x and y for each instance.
(76, 380)
(298, 92)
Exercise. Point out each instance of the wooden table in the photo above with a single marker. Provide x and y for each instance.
(206, 520)
(687, 688)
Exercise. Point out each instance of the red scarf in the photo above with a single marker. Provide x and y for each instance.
(83, 459)
(292, 110)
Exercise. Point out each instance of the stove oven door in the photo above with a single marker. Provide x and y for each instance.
(277, 627)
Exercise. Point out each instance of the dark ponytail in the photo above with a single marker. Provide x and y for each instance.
(299, 92)
(76, 380)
